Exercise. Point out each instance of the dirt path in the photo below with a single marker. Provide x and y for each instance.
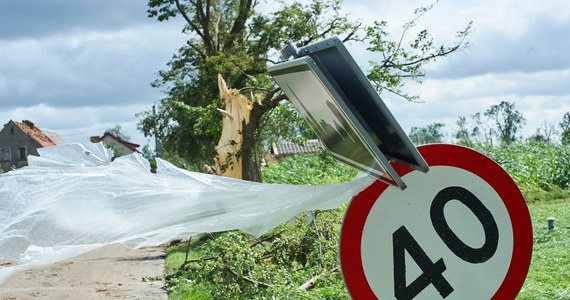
(112, 272)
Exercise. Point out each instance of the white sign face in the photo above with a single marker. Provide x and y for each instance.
(404, 217)
(452, 234)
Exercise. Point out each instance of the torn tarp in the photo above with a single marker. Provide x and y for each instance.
(73, 199)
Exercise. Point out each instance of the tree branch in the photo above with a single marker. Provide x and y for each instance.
(353, 32)
(239, 22)
(401, 94)
(309, 284)
(253, 88)
(272, 102)
(252, 281)
(198, 50)
(204, 19)
(187, 18)
(424, 58)
(265, 239)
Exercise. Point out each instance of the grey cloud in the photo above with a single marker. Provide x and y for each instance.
(85, 69)
(33, 18)
(544, 46)
(77, 124)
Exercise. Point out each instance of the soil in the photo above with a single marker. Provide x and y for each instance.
(112, 272)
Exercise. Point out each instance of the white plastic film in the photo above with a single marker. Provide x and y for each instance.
(73, 199)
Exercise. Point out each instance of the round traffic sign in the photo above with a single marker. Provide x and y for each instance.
(460, 231)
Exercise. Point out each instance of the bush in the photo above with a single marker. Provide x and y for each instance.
(234, 265)
(534, 166)
(312, 169)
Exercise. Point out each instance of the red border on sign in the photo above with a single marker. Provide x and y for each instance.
(441, 155)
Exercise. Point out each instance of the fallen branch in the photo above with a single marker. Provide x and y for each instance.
(252, 281)
(309, 284)
(265, 239)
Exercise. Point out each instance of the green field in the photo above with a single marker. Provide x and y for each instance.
(548, 277)
(549, 274)
(233, 265)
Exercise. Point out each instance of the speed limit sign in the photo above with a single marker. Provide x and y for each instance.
(460, 231)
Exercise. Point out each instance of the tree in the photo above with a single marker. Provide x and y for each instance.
(117, 131)
(507, 119)
(468, 133)
(429, 134)
(232, 39)
(399, 62)
(545, 133)
(565, 126)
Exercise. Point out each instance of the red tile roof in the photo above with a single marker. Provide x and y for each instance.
(34, 132)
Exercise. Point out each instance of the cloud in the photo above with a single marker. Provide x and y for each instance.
(507, 36)
(540, 96)
(92, 68)
(543, 47)
(36, 18)
(80, 67)
(76, 124)
(86, 66)
(499, 85)
(531, 37)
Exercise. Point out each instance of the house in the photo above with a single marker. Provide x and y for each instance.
(119, 145)
(20, 139)
(284, 149)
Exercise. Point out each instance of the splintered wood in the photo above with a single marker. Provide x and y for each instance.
(235, 115)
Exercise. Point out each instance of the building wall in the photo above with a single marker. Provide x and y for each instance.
(119, 148)
(15, 146)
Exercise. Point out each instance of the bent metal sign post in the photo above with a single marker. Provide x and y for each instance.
(461, 231)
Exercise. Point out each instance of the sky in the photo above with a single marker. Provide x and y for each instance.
(81, 67)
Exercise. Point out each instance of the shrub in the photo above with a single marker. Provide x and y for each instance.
(534, 166)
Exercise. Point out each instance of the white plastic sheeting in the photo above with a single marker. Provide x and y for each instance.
(73, 199)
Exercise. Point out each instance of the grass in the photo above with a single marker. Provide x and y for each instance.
(548, 277)
(549, 274)
(180, 288)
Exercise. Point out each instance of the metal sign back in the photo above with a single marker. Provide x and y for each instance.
(336, 99)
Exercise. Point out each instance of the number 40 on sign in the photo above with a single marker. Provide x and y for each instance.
(461, 231)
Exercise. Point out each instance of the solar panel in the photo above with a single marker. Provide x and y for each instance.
(336, 99)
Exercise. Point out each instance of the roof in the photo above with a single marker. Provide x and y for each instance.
(35, 133)
(284, 148)
(127, 144)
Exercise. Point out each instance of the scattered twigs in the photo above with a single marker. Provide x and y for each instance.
(265, 239)
(309, 284)
(251, 280)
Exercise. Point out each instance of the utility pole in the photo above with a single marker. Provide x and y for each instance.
(155, 130)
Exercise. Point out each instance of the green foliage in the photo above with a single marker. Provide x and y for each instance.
(429, 134)
(565, 126)
(403, 59)
(237, 266)
(545, 134)
(283, 122)
(507, 119)
(468, 133)
(549, 272)
(150, 156)
(534, 166)
(231, 38)
(313, 169)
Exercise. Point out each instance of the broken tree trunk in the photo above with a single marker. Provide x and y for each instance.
(236, 115)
